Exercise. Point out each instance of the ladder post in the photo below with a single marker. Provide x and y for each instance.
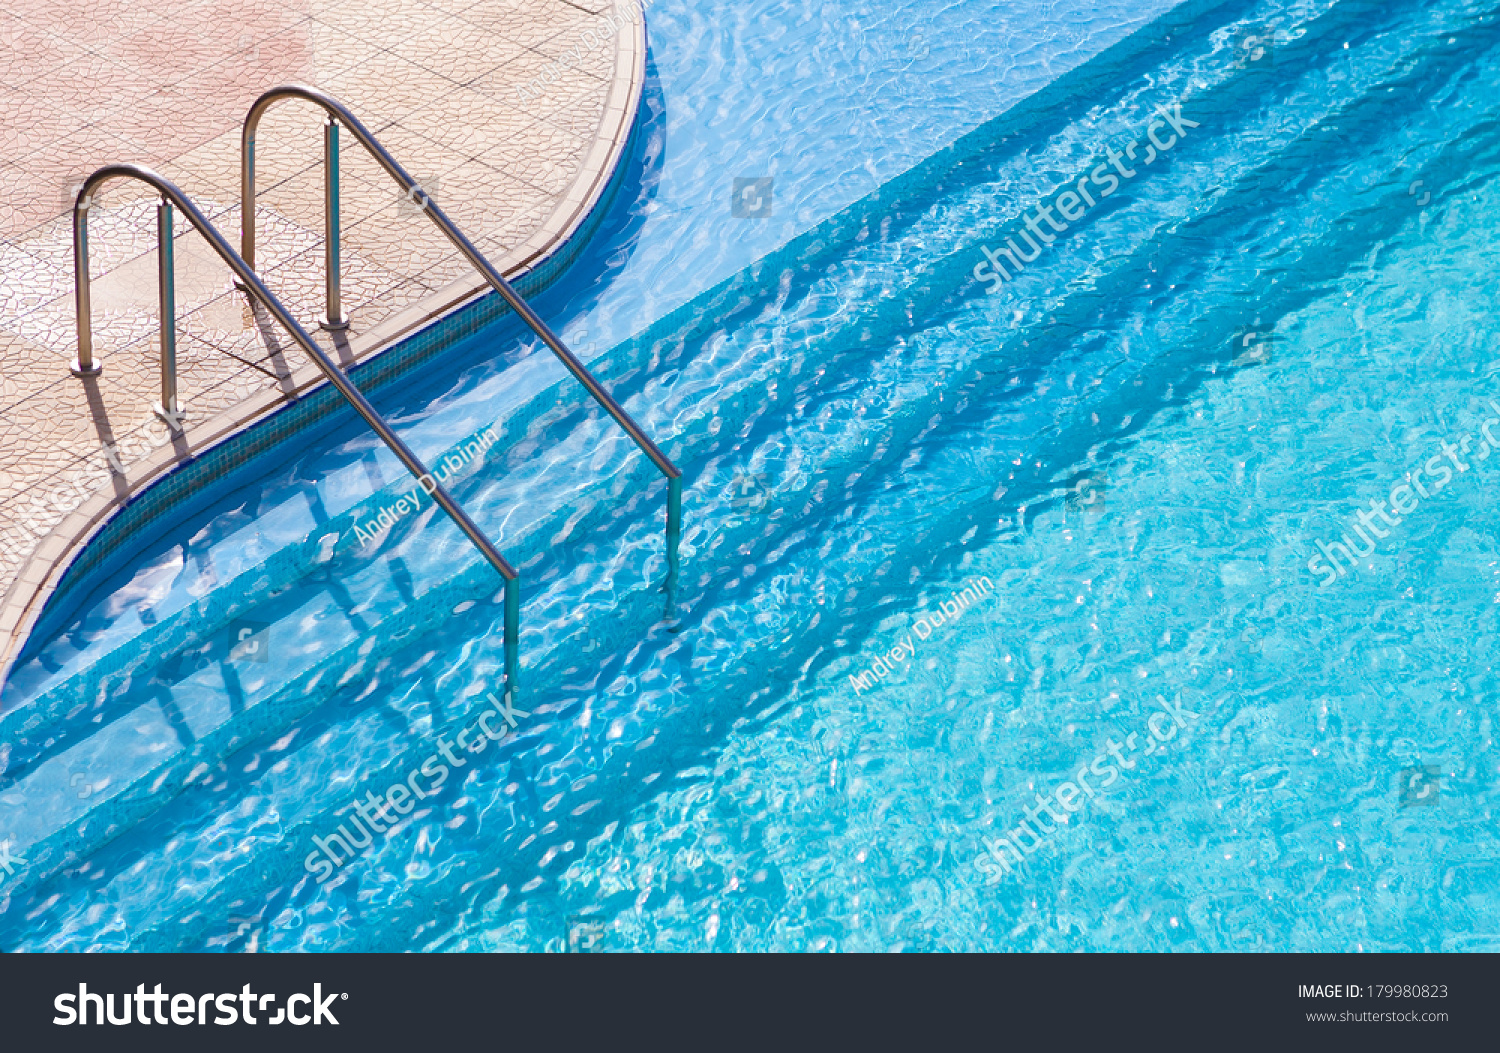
(674, 537)
(247, 202)
(166, 280)
(337, 320)
(512, 640)
(84, 365)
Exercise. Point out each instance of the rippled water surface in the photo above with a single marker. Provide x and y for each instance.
(1135, 448)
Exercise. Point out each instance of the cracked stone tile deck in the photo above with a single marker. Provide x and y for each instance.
(512, 113)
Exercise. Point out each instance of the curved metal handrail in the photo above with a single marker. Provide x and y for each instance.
(338, 112)
(250, 281)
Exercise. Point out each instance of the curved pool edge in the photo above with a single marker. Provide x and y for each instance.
(189, 463)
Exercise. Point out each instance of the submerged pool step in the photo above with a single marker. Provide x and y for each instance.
(146, 733)
(190, 622)
(552, 719)
(746, 531)
(617, 620)
(254, 821)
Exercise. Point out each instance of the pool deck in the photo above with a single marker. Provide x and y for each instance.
(512, 114)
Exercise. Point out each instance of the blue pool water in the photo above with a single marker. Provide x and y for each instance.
(1138, 443)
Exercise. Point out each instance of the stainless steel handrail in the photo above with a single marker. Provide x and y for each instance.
(251, 283)
(337, 112)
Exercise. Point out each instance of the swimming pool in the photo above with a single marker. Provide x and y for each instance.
(1139, 442)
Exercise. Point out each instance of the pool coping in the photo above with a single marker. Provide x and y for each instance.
(531, 267)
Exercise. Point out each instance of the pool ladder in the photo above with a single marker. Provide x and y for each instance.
(243, 266)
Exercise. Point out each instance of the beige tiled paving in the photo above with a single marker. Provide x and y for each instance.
(511, 113)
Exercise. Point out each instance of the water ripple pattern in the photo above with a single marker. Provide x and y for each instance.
(1144, 443)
